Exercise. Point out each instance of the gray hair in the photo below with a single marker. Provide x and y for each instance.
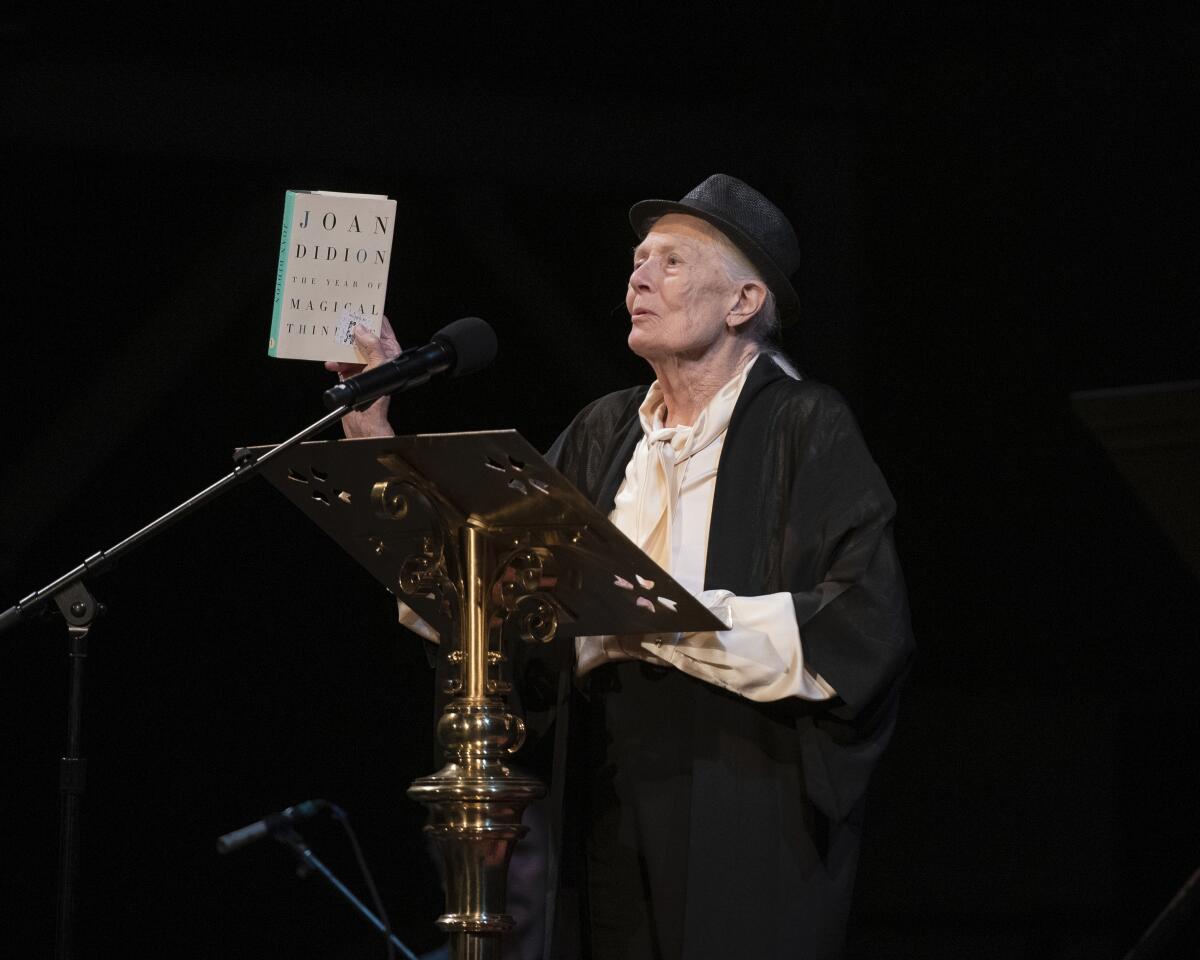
(763, 327)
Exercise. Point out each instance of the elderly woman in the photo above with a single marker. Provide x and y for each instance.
(714, 781)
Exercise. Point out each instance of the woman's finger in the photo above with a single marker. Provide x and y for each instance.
(375, 350)
(343, 369)
(385, 330)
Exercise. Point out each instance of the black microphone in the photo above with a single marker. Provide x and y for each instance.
(463, 346)
(236, 839)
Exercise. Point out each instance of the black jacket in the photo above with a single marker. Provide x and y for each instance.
(770, 824)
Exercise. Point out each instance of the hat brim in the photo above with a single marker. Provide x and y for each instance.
(786, 299)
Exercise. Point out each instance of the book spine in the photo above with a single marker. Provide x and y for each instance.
(289, 205)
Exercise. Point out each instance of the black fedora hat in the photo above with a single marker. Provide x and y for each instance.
(751, 222)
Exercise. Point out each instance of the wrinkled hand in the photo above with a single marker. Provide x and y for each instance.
(373, 421)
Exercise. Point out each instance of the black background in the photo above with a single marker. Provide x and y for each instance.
(997, 208)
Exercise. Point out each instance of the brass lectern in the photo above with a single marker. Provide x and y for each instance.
(489, 545)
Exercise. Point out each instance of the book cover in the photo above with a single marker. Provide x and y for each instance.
(334, 253)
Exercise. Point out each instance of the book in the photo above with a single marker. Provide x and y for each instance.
(334, 253)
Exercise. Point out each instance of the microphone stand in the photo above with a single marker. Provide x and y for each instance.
(79, 608)
(307, 862)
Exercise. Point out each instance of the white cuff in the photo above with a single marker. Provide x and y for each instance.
(411, 619)
(758, 656)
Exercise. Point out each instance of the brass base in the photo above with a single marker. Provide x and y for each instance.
(466, 946)
(475, 804)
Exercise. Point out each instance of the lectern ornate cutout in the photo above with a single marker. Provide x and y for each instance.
(490, 545)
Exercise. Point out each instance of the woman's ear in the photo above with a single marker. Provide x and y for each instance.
(750, 297)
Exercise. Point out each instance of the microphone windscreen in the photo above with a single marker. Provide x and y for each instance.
(473, 342)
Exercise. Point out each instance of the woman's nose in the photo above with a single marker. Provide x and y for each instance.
(639, 279)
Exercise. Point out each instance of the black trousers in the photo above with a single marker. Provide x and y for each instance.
(697, 836)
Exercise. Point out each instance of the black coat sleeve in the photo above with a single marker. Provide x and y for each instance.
(851, 607)
(800, 507)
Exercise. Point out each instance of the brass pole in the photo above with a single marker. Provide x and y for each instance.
(474, 549)
(476, 801)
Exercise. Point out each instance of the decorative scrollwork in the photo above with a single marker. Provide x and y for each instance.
(529, 612)
(390, 499)
(424, 574)
(420, 575)
(535, 618)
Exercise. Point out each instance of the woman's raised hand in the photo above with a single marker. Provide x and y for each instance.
(373, 421)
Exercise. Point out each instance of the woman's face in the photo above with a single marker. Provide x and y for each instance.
(679, 291)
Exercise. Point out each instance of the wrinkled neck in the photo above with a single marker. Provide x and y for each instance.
(689, 383)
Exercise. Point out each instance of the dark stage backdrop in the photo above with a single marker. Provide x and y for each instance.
(997, 208)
